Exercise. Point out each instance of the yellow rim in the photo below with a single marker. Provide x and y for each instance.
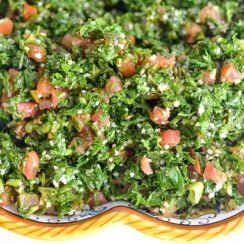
(148, 225)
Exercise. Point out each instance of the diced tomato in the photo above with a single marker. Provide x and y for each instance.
(57, 95)
(97, 115)
(54, 98)
(28, 11)
(145, 166)
(230, 74)
(196, 164)
(36, 52)
(211, 12)
(160, 61)
(45, 104)
(7, 196)
(69, 41)
(51, 211)
(27, 110)
(27, 200)
(240, 183)
(86, 42)
(6, 26)
(96, 199)
(159, 116)
(161, 11)
(40, 71)
(31, 165)
(100, 121)
(114, 84)
(87, 137)
(44, 87)
(209, 77)
(106, 99)
(170, 138)
(20, 129)
(213, 174)
(127, 68)
(191, 31)
(13, 73)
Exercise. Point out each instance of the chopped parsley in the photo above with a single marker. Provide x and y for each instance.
(121, 100)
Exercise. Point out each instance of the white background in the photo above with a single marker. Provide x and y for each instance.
(114, 234)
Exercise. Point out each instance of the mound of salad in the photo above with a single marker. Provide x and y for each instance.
(135, 100)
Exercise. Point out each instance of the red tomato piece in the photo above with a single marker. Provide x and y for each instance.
(28, 11)
(36, 52)
(170, 138)
(13, 73)
(97, 115)
(45, 104)
(159, 116)
(127, 68)
(27, 109)
(51, 211)
(54, 98)
(146, 166)
(213, 174)
(31, 165)
(230, 74)
(100, 121)
(69, 41)
(161, 11)
(211, 12)
(86, 42)
(44, 87)
(96, 199)
(40, 71)
(240, 183)
(160, 61)
(6, 26)
(87, 139)
(209, 77)
(114, 84)
(191, 31)
(195, 167)
(57, 95)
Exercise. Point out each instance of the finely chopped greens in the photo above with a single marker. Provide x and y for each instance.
(121, 100)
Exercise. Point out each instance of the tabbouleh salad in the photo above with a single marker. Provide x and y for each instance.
(136, 100)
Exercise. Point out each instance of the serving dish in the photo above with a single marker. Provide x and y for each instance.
(131, 74)
(209, 225)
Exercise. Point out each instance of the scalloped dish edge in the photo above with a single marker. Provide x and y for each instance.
(121, 215)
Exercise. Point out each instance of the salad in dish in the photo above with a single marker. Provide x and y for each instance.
(121, 100)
